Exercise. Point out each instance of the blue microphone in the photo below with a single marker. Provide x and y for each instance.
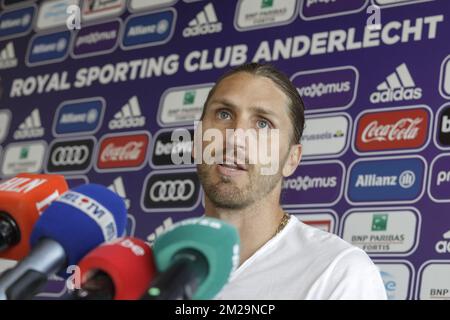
(77, 222)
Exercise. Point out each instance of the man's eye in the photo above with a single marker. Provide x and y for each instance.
(224, 115)
(262, 124)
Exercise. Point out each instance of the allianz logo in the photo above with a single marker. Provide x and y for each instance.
(14, 23)
(95, 37)
(443, 246)
(405, 180)
(306, 182)
(71, 118)
(58, 46)
(319, 89)
(141, 30)
(323, 136)
(398, 86)
(172, 148)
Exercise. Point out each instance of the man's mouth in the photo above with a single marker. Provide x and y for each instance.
(231, 168)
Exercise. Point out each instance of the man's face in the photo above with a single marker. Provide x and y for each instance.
(248, 103)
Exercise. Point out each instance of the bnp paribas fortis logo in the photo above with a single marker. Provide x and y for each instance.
(24, 153)
(379, 222)
(266, 4)
(189, 97)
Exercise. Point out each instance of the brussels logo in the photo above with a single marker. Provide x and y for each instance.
(398, 86)
(148, 29)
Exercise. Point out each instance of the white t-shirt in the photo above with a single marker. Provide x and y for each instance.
(303, 262)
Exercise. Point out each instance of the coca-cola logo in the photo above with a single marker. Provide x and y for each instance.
(392, 131)
(122, 152)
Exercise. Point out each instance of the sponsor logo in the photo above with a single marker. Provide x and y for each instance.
(382, 231)
(393, 180)
(182, 105)
(443, 246)
(256, 14)
(16, 23)
(442, 137)
(8, 57)
(327, 89)
(23, 157)
(318, 9)
(313, 184)
(444, 79)
(205, 22)
(31, 127)
(395, 130)
(396, 278)
(99, 9)
(79, 116)
(53, 14)
(326, 136)
(164, 148)
(96, 39)
(171, 191)
(72, 156)
(149, 29)
(49, 48)
(434, 282)
(324, 220)
(398, 86)
(94, 210)
(138, 5)
(439, 182)
(129, 116)
(124, 152)
(119, 188)
(5, 121)
(393, 3)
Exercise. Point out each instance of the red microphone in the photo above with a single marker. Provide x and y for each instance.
(22, 201)
(119, 270)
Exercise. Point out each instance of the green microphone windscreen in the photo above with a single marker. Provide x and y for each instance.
(215, 239)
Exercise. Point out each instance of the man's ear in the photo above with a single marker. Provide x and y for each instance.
(293, 160)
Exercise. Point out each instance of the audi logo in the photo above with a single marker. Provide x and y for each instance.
(176, 190)
(70, 155)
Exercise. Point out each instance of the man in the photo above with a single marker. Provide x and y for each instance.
(281, 258)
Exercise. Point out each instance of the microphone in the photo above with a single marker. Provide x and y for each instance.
(195, 259)
(121, 270)
(22, 199)
(74, 224)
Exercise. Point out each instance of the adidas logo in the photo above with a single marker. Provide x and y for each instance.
(167, 223)
(399, 86)
(8, 57)
(443, 246)
(118, 187)
(31, 127)
(204, 23)
(129, 116)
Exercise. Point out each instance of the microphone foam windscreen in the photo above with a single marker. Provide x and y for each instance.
(81, 219)
(215, 239)
(128, 262)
